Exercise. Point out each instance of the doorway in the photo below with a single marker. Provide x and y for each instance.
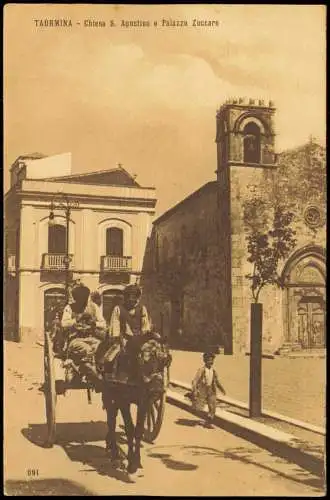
(311, 323)
(54, 303)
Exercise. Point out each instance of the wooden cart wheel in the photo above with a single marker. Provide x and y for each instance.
(154, 418)
(50, 390)
(155, 414)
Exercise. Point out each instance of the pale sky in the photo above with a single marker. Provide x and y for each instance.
(147, 97)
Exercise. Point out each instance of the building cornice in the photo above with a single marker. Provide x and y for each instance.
(35, 192)
(75, 271)
(102, 207)
(45, 185)
(106, 203)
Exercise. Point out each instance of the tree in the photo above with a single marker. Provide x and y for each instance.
(270, 239)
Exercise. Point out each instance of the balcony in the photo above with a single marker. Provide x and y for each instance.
(56, 262)
(12, 263)
(114, 263)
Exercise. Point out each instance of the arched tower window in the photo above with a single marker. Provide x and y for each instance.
(251, 143)
(115, 241)
(56, 239)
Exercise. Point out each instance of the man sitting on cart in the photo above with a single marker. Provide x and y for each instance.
(128, 320)
(85, 329)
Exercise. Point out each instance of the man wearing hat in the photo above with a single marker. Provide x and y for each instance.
(128, 320)
(85, 328)
(204, 387)
(131, 318)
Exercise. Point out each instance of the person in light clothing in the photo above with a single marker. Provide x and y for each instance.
(131, 318)
(85, 329)
(204, 388)
(128, 321)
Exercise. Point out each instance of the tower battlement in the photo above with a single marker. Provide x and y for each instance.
(245, 133)
(248, 103)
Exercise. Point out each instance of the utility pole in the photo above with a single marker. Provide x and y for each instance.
(63, 202)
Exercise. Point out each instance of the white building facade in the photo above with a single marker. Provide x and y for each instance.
(110, 221)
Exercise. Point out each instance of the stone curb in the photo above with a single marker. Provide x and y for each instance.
(266, 413)
(277, 442)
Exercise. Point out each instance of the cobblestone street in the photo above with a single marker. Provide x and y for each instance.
(185, 458)
(292, 387)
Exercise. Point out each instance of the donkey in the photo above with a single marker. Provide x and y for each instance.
(143, 364)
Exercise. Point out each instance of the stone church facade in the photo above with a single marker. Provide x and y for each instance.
(195, 267)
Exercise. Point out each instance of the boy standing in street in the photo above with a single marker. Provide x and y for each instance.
(204, 388)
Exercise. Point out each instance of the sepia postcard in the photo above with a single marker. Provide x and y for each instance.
(164, 250)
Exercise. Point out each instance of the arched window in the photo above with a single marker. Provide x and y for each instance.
(115, 242)
(56, 239)
(251, 142)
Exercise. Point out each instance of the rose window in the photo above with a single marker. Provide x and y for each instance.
(313, 216)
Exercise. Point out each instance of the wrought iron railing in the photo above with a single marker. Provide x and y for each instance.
(57, 262)
(116, 263)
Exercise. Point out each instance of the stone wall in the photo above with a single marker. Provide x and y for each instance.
(297, 183)
(189, 272)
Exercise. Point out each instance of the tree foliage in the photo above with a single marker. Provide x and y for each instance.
(270, 239)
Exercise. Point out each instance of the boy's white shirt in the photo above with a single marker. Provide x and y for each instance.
(209, 373)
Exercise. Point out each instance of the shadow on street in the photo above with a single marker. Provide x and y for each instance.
(74, 438)
(96, 458)
(242, 454)
(79, 432)
(170, 463)
(45, 487)
(77, 439)
(187, 422)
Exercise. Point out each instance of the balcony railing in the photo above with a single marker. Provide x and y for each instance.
(115, 263)
(11, 263)
(56, 262)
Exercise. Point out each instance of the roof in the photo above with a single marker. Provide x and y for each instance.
(209, 186)
(32, 156)
(117, 176)
(28, 156)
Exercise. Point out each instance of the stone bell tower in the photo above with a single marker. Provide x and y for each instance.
(246, 160)
(245, 134)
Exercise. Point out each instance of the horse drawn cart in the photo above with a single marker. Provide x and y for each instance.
(55, 385)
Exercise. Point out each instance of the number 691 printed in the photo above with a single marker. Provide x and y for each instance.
(32, 472)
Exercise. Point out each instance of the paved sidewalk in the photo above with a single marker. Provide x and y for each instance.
(292, 387)
(306, 454)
